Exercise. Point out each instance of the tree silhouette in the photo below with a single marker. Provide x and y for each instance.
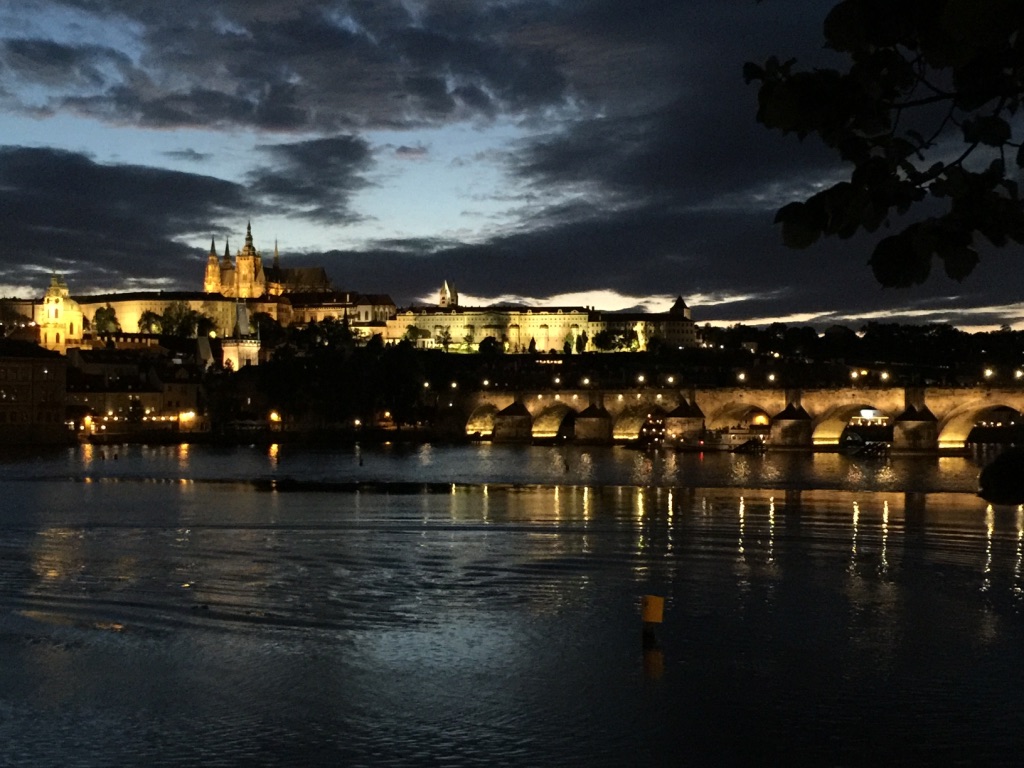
(105, 320)
(928, 110)
(444, 339)
(150, 322)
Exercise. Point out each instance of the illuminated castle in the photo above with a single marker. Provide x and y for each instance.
(246, 278)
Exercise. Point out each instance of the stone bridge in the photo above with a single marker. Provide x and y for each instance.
(922, 418)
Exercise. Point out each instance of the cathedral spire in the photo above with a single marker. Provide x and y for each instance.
(213, 250)
(248, 236)
(277, 257)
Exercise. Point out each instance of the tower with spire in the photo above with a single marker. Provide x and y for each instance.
(250, 282)
(448, 298)
(211, 281)
(239, 278)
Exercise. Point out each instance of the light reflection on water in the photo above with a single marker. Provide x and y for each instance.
(160, 608)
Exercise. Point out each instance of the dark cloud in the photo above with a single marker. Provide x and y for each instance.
(305, 64)
(50, 63)
(313, 179)
(644, 169)
(60, 210)
(413, 153)
(189, 155)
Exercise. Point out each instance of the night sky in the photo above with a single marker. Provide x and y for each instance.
(580, 152)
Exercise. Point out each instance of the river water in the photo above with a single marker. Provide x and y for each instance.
(479, 605)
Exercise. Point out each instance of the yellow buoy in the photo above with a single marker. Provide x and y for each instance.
(652, 609)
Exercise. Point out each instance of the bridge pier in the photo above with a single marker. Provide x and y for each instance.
(916, 429)
(792, 428)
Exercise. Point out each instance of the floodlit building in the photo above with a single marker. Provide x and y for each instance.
(542, 329)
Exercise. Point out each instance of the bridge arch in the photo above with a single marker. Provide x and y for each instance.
(828, 427)
(957, 425)
(631, 420)
(738, 414)
(481, 421)
(555, 421)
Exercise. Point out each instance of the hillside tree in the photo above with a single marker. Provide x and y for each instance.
(926, 113)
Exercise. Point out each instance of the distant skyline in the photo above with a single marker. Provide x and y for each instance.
(590, 152)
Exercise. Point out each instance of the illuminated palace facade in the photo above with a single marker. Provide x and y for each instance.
(544, 329)
(301, 295)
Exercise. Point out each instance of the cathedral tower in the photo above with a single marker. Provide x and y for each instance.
(448, 298)
(250, 282)
(211, 282)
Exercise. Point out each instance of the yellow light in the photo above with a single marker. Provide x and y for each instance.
(885, 375)
(275, 416)
(671, 379)
(186, 416)
(854, 375)
(771, 377)
(989, 373)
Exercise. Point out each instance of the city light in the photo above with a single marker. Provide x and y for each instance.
(989, 373)
(275, 417)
